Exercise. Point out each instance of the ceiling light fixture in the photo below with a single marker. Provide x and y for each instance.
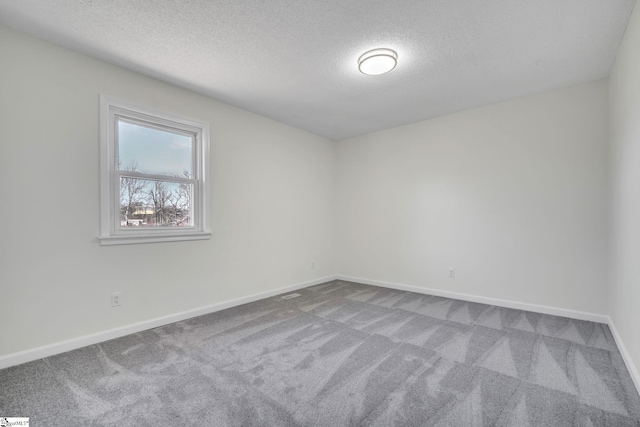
(377, 61)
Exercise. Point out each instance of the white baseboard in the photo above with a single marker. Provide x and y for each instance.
(555, 311)
(631, 367)
(75, 343)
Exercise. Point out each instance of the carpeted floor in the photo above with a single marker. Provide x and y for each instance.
(340, 354)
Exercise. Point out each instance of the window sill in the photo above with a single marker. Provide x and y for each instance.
(133, 239)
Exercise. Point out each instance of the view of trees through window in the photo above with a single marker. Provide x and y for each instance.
(156, 185)
(152, 203)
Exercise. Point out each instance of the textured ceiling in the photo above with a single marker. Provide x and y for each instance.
(296, 60)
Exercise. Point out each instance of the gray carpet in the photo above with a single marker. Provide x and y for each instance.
(341, 354)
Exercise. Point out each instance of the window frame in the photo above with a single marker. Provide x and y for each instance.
(111, 233)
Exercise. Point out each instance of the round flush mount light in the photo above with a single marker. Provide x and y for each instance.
(377, 61)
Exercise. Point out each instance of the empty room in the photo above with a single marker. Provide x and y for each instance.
(331, 213)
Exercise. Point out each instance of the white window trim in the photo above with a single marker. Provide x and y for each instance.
(110, 232)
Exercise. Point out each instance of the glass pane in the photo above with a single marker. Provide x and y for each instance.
(154, 151)
(149, 203)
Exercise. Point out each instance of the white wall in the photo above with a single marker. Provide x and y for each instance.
(512, 195)
(625, 177)
(272, 190)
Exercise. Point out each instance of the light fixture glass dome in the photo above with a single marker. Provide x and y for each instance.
(377, 61)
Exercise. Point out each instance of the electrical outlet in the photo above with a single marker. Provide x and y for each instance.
(452, 273)
(116, 299)
(313, 264)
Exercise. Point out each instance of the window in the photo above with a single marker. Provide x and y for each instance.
(153, 175)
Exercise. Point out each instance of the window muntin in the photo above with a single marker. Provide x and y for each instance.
(153, 175)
